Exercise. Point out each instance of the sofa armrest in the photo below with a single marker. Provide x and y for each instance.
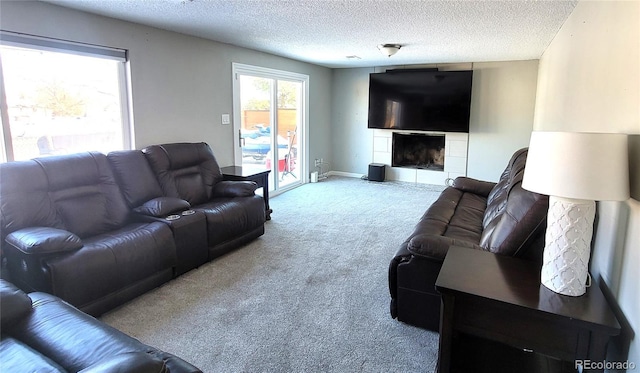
(14, 303)
(235, 189)
(131, 362)
(435, 247)
(82, 341)
(162, 206)
(43, 240)
(467, 184)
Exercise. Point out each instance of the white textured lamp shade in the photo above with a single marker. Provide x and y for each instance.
(591, 166)
(574, 169)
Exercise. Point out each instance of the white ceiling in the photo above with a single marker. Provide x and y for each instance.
(325, 32)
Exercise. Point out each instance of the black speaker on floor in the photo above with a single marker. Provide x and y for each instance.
(376, 172)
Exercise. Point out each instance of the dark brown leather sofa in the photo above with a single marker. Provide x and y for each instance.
(498, 217)
(67, 231)
(144, 196)
(93, 229)
(42, 333)
(234, 214)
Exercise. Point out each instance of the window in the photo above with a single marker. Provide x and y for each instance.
(61, 97)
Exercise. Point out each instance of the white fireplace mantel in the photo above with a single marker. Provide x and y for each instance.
(455, 158)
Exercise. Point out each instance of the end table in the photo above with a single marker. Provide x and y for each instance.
(500, 298)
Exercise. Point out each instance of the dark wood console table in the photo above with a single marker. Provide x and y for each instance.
(235, 173)
(501, 299)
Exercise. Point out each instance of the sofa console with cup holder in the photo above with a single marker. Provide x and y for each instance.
(98, 230)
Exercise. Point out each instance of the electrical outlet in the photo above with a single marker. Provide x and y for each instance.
(226, 119)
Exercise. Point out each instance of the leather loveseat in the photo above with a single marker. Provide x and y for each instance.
(98, 231)
(501, 217)
(234, 214)
(144, 197)
(42, 333)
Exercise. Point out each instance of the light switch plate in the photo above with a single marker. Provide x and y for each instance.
(226, 119)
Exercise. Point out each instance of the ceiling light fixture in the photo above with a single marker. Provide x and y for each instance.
(389, 49)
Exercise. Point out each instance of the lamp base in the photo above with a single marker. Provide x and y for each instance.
(565, 265)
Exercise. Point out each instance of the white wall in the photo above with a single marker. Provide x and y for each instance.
(589, 81)
(502, 106)
(181, 84)
(352, 145)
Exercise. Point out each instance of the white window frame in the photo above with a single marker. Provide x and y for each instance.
(265, 72)
(64, 46)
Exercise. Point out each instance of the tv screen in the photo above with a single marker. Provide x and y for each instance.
(420, 100)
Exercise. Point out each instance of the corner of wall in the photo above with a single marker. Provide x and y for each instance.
(634, 166)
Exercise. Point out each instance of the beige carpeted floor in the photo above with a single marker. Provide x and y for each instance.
(311, 295)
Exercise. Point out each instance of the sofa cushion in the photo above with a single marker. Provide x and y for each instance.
(513, 216)
(110, 262)
(228, 218)
(511, 176)
(84, 193)
(435, 247)
(453, 219)
(522, 220)
(14, 304)
(70, 337)
(77, 341)
(24, 198)
(19, 357)
(185, 170)
(43, 240)
(135, 176)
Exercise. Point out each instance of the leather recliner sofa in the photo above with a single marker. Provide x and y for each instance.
(145, 198)
(501, 217)
(234, 214)
(94, 229)
(67, 231)
(42, 333)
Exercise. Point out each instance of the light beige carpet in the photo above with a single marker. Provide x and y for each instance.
(311, 295)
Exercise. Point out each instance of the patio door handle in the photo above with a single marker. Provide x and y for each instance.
(240, 139)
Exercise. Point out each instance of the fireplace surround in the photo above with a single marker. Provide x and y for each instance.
(455, 157)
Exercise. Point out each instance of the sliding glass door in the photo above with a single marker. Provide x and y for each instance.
(270, 122)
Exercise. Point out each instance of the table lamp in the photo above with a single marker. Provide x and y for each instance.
(574, 170)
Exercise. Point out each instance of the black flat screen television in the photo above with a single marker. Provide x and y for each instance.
(424, 100)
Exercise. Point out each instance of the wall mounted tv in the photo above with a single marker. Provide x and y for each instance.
(423, 100)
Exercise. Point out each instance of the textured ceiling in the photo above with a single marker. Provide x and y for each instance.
(325, 32)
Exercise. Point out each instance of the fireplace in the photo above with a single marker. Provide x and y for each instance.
(418, 150)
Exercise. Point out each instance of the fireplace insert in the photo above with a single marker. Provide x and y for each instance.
(418, 150)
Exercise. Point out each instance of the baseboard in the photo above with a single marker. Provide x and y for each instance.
(345, 174)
